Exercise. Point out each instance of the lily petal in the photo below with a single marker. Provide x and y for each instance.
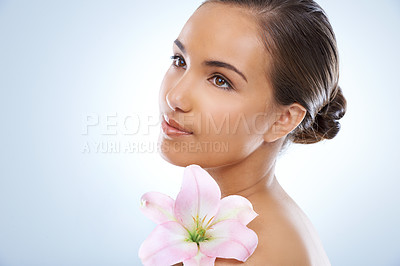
(199, 260)
(235, 207)
(199, 196)
(167, 245)
(230, 239)
(158, 207)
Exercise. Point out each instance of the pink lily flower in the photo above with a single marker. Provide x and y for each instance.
(198, 226)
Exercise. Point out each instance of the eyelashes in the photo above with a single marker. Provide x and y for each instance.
(178, 61)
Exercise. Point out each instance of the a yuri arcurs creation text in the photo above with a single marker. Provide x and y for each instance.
(198, 226)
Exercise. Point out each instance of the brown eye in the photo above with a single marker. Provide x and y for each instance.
(178, 61)
(222, 83)
(219, 81)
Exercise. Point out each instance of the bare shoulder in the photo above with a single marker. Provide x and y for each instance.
(286, 236)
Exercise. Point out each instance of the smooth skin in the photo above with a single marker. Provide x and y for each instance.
(246, 119)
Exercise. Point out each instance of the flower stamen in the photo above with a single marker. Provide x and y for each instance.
(199, 233)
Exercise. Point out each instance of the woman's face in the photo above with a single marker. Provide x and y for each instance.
(217, 89)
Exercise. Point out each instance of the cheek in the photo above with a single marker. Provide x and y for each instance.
(233, 117)
(234, 125)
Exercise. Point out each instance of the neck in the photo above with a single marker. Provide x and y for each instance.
(253, 175)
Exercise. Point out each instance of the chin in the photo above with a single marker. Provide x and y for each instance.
(184, 159)
(177, 152)
(177, 157)
(181, 158)
(175, 160)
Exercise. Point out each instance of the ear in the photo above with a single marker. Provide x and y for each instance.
(286, 120)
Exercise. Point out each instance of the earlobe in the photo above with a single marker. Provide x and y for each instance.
(287, 119)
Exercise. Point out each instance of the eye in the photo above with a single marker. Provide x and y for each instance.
(222, 82)
(178, 61)
(219, 80)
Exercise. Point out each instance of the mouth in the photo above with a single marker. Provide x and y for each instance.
(172, 128)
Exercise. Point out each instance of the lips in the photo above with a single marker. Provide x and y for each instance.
(173, 128)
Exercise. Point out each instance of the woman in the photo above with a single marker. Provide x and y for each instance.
(247, 78)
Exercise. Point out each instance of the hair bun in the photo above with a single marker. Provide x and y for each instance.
(326, 124)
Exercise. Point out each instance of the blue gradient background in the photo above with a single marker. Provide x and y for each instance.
(62, 61)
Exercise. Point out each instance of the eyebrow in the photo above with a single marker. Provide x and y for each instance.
(213, 63)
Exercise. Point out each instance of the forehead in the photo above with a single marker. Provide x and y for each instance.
(228, 33)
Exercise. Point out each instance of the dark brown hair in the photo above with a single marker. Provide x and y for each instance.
(305, 62)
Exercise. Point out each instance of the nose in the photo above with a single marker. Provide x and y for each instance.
(179, 96)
